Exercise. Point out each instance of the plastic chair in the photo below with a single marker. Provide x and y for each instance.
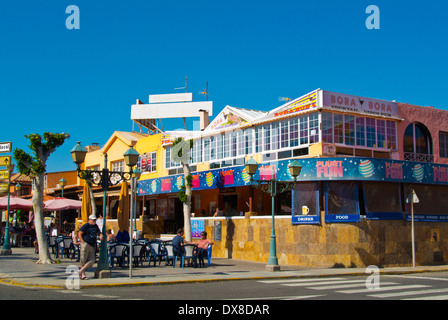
(57, 244)
(117, 254)
(170, 254)
(76, 251)
(190, 252)
(138, 252)
(52, 243)
(65, 246)
(155, 251)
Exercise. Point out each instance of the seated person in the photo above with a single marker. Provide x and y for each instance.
(178, 243)
(203, 245)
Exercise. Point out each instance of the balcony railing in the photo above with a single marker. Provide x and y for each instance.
(418, 157)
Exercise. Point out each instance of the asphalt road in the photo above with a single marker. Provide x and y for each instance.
(433, 286)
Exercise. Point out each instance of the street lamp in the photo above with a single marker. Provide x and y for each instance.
(62, 183)
(273, 187)
(18, 187)
(103, 178)
(6, 249)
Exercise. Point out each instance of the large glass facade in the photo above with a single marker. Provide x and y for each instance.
(291, 134)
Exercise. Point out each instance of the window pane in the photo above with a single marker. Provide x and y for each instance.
(338, 128)
(267, 137)
(275, 135)
(304, 129)
(227, 145)
(259, 139)
(360, 132)
(294, 132)
(219, 145)
(349, 126)
(314, 127)
(234, 144)
(206, 149)
(392, 137)
(212, 148)
(381, 133)
(370, 133)
(248, 133)
(284, 134)
(327, 127)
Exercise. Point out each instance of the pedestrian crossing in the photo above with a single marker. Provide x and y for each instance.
(355, 286)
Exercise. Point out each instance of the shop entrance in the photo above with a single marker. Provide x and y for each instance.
(229, 205)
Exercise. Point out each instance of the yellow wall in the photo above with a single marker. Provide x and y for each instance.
(151, 144)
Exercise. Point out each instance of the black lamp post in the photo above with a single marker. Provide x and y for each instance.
(103, 178)
(273, 187)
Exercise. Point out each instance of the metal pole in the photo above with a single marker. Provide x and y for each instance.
(7, 242)
(412, 229)
(131, 225)
(103, 263)
(273, 261)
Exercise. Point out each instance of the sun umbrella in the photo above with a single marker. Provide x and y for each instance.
(123, 207)
(59, 204)
(86, 207)
(15, 203)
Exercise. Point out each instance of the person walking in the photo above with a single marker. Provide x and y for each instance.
(88, 235)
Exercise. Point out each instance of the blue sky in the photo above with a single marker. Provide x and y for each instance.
(84, 81)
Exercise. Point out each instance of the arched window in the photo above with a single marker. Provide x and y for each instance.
(417, 143)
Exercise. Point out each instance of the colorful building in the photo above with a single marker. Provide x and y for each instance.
(360, 158)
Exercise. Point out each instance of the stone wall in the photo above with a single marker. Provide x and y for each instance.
(369, 242)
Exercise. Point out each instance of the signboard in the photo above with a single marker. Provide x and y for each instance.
(366, 106)
(302, 104)
(5, 147)
(3, 187)
(4, 174)
(197, 226)
(5, 161)
(171, 97)
(313, 169)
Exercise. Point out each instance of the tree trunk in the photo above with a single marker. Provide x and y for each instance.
(44, 252)
(187, 204)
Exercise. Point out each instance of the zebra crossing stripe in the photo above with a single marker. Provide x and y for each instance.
(444, 297)
(350, 285)
(410, 286)
(407, 293)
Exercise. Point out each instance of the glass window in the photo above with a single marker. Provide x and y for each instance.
(392, 136)
(206, 149)
(275, 135)
(338, 128)
(443, 144)
(213, 148)
(154, 161)
(248, 140)
(234, 144)
(370, 133)
(381, 133)
(241, 144)
(327, 127)
(349, 128)
(314, 127)
(259, 139)
(294, 132)
(267, 137)
(304, 129)
(219, 145)
(168, 157)
(360, 132)
(284, 134)
(227, 139)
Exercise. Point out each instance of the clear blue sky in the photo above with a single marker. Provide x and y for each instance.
(84, 81)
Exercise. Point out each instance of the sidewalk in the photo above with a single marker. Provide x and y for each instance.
(20, 269)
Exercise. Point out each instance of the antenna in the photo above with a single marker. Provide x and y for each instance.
(186, 80)
(206, 90)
